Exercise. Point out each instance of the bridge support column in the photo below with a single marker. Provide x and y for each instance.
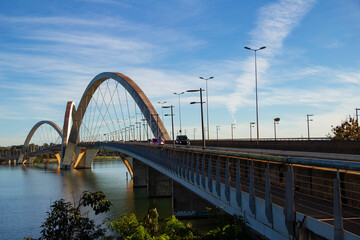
(69, 156)
(31, 160)
(21, 158)
(85, 158)
(129, 163)
(159, 185)
(57, 155)
(187, 203)
(140, 172)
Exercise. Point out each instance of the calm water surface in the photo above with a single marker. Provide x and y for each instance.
(26, 194)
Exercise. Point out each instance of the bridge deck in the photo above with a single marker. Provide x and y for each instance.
(313, 186)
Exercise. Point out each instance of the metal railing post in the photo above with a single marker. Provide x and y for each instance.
(173, 161)
(210, 175)
(268, 205)
(227, 186)
(218, 177)
(338, 218)
(179, 164)
(289, 202)
(183, 164)
(238, 185)
(192, 169)
(203, 171)
(252, 190)
(167, 163)
(197, 170)
(187, 168)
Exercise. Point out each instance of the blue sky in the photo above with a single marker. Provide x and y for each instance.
(50, 51)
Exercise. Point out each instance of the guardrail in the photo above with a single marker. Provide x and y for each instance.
(281, 194)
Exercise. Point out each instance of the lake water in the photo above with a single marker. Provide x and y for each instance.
(26, 193)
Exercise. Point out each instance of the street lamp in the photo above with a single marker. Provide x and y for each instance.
(256, 90)
(232, 132)
(179, 94)
(251, 126)
(217, 132)
(202, 112)
(207, 104)
(162, 112)
(194, 132)
(308, 120)
(172, 120)
(276, 121)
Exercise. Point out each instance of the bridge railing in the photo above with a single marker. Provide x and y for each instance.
(326, 191)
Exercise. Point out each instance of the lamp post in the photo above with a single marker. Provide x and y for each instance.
(207, 104)
(217, 132)
(179, 94)
(276, 121)
(232, 132)
(251, 126)
(162, 112)
(256, 91)
(172, 120)
(308, 120)
(202, 112)
(194, 132)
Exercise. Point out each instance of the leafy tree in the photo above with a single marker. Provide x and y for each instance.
(347, 130)
(177, 230)
(128, 227)
(227, 228)
(65, 220)
(151, 222)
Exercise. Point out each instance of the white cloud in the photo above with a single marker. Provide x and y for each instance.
(57, 21)
(275, 22)
(349, 77)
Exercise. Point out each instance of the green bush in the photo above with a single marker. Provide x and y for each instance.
(65, 221)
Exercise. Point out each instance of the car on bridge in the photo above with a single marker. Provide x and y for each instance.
(182, 140)
(158, 141)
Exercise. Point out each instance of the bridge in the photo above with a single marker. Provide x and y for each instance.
(283, 195)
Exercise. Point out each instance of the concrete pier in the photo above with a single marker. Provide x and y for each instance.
(159, 185)
(140, 172)
(187, 203)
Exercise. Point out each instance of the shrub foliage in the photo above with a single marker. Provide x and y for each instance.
(347, 130)
(65, 221)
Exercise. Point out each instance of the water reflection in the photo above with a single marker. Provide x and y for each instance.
(28, 191)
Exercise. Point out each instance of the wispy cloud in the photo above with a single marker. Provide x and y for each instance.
(57, 21)
(349, 77)
(274, 23)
